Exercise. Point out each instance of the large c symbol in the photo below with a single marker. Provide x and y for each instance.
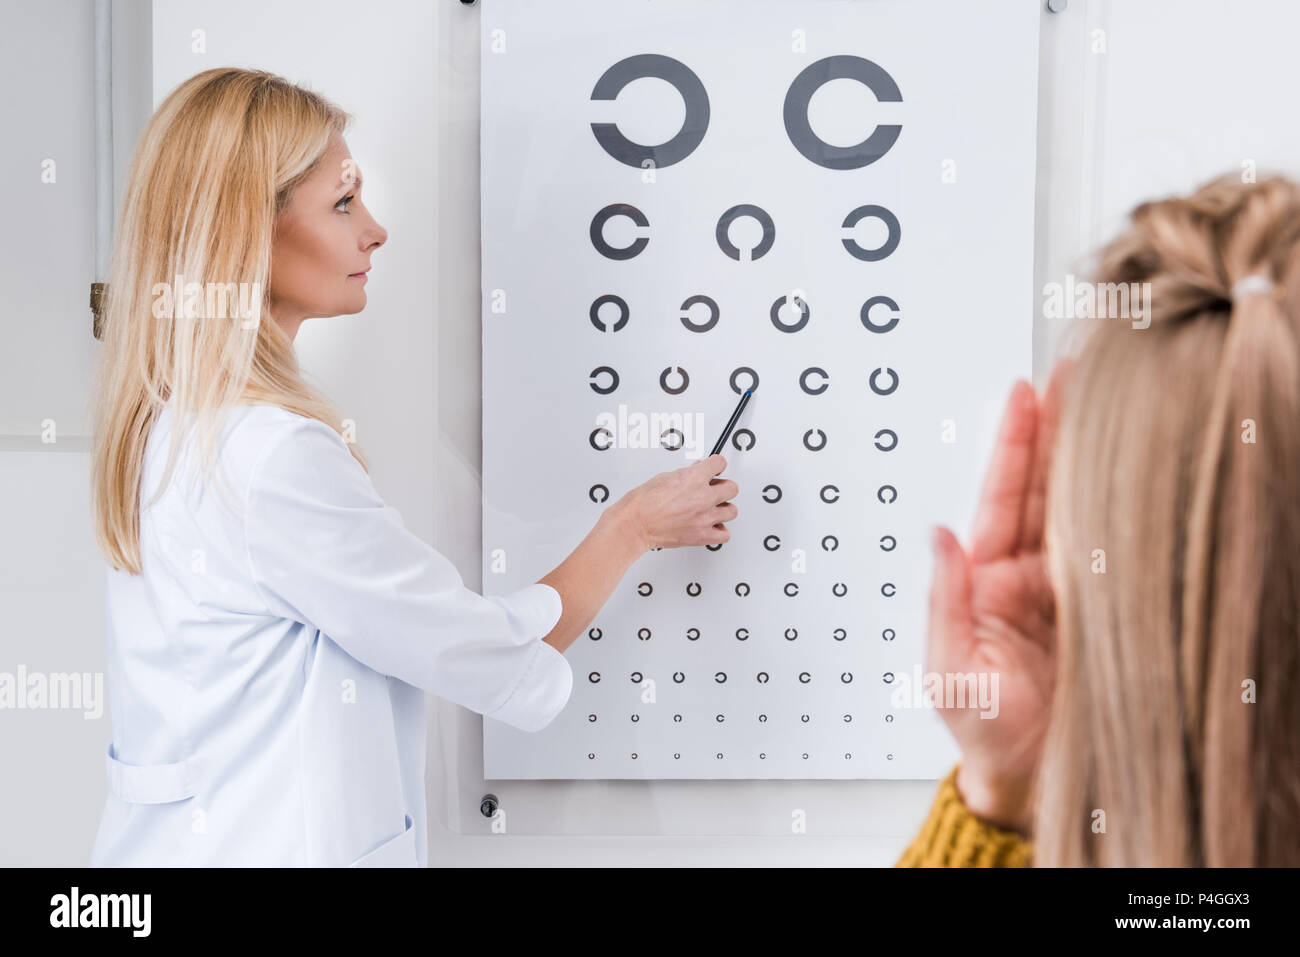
(694, 125)
(809, 81)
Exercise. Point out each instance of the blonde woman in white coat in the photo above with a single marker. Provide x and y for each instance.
(272, 626)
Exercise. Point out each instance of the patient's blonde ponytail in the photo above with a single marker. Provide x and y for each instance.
(1172, 739)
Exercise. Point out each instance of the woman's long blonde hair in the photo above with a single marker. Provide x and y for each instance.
(1173, 543)
(216, 164)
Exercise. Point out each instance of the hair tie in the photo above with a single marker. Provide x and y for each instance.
(1251, 284)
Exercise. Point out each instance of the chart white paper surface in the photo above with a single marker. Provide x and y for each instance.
(782, 653)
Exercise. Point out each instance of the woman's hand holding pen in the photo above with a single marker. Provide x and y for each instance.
(687, 506)
(992, 612)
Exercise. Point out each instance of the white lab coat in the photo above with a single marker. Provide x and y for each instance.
(267, 670)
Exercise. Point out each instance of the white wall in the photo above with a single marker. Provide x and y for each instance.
(1185, 89)
(51, 578)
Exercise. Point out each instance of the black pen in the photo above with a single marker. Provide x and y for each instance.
(731, 422)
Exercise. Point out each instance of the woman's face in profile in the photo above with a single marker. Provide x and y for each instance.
(322, 244)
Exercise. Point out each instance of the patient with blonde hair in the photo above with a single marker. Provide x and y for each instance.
(1133, 571)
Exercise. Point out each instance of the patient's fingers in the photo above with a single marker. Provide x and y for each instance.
(950, 603)
(1002, 501)
(1049, 411)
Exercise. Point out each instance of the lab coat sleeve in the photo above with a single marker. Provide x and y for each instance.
(325, 550)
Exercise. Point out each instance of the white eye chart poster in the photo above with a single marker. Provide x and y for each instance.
(828, 203)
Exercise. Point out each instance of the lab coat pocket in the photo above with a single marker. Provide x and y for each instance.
(150, 783)
(397, 851)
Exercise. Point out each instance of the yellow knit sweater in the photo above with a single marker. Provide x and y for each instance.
(952, 836)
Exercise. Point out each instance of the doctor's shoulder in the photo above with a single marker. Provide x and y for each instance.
(258, 443)
(291, 463)
(258, 432)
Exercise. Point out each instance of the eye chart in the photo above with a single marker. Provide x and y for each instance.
(830, 203)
